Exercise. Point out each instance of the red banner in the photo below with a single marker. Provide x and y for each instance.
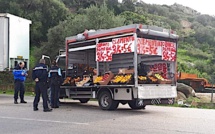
(104, 51)
(155, 47)
(169, 51)
(123, 45)
(147, 46)
(160, 67)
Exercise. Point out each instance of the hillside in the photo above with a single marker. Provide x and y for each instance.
(53, 20)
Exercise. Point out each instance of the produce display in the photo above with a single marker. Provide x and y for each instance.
(143, 78)
(69, 81)
(153, 79)
(105, 76)
(161, 80)
(117, 78)
(77, 79)
(158, 76)
(105, 79)
(84, 80)
(122, 78)
(125, 76)
(98, 79)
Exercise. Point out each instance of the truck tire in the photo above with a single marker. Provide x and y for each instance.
(106, 102)
(84, 100)
(134, 105)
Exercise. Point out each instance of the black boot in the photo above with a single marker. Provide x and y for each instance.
(22, 101)
(47, 110)
(15, 102)
(36, 109)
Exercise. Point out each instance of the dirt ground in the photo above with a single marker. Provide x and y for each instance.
(205, 97)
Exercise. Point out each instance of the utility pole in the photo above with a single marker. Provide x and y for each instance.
(212, 93)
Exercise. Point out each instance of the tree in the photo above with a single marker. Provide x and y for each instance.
(43, 13)
(128, 5)
(95, 18)
(75, 5)
(132, 18)
(114, 5)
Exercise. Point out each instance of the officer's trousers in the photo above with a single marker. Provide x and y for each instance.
(55, 89)
(41, 88)
(19, 88)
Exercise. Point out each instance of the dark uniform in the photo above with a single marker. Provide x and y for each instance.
(56, 80)
(40, 72)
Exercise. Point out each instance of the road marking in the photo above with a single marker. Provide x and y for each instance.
(38, 120)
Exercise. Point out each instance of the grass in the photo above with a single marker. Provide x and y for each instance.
(201, 105)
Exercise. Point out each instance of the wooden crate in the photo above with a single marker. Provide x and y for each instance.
(126, 71)
(81, 83)
(164, 81)
(106, 82)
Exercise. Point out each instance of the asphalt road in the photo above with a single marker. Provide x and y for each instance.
(75, 118)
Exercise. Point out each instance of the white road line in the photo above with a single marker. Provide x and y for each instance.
(38, 120)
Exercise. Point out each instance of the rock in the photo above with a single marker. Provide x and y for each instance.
(187, 90)
(180, 96)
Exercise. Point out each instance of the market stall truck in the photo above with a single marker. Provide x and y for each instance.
(134, 65)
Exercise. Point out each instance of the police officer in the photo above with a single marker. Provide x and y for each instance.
(56, 79)
(40, 75)
(19, 78)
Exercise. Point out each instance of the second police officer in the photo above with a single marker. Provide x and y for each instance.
(55, 77)
(40, 76)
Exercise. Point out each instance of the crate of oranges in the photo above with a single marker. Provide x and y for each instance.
(104, 79)
(161, 80)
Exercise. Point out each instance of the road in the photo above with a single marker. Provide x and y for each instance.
(75, 118)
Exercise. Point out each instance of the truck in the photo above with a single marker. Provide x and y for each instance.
(109, 65)
(200, 85)
(14, 41)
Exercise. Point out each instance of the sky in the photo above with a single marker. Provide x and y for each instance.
(202, 6)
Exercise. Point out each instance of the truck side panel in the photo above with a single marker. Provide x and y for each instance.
(121, 61)
(4, 35)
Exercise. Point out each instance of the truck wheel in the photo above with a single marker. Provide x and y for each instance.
(84, 100)
(134, 105)
(106, 102)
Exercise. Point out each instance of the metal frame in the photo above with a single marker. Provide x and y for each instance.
(135, 61)
(102, 38)
(97, 63)
(82, 48)
(110, 37)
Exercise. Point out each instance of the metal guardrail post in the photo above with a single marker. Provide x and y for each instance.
(212, 93)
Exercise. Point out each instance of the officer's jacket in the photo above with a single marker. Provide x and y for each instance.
(54, 72)
(19, 74)
(40, 72)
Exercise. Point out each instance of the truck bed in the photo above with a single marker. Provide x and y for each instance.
(97, 86)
